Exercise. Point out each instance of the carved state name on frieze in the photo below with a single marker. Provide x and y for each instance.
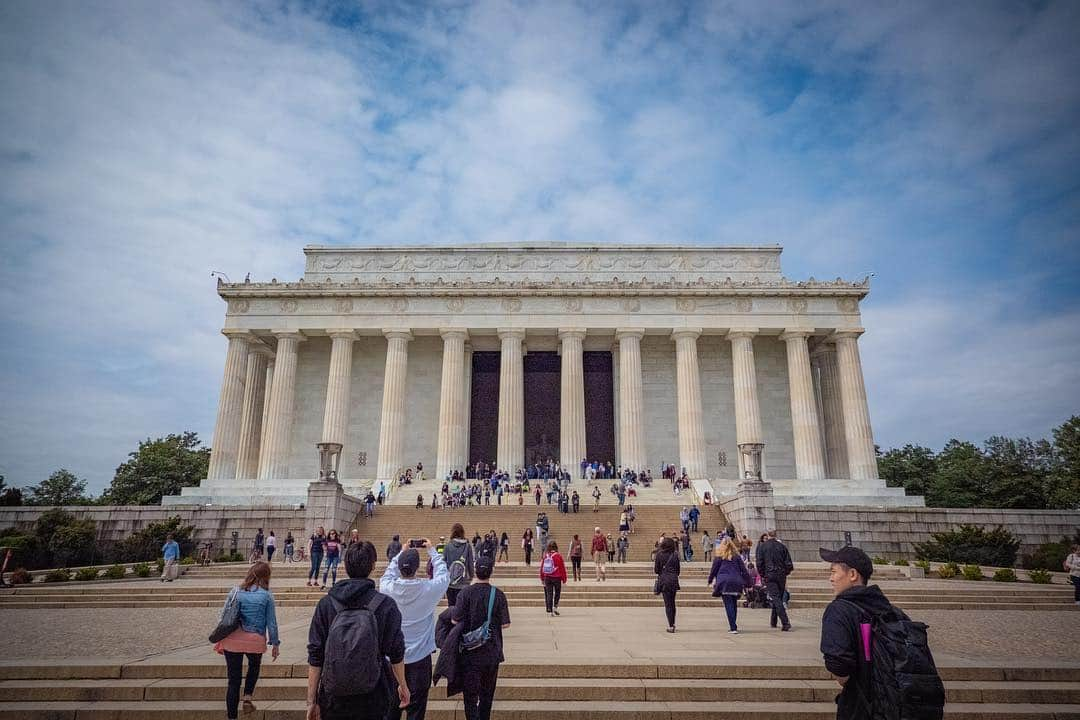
(764, 261)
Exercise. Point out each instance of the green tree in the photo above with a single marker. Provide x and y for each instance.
(1063, 483)
(73, 544)
(1017, 472)
(61, 488)
(962, 478)
(159, 467)
(9, 496)
(911, 467)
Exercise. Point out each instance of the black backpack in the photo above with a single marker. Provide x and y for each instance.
(353, 661)
(904, 681)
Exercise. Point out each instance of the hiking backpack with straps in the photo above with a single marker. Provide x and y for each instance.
(353, 661)
(904, 681)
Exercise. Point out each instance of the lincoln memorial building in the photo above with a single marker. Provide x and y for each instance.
(707, 358)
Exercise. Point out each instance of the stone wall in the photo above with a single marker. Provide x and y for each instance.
(216, 524)
(890, 533)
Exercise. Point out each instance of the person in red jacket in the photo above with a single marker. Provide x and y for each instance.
(553, 575)
(599, 553)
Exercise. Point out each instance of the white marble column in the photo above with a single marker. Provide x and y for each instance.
(832, 410)
(251, 421)
(511, 438)
(450, 455)
(688, 391)
(631, 399)
(226, 442)
(274, 454)
(466, 428)
(747, 410)
(572, 400)
(392, 423)
(862, 458)
(338, 385)
(809, 459)
(615, 405)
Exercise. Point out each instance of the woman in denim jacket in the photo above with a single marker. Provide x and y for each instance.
(258, 622)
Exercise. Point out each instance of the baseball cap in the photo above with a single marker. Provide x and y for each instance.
(409, 561)
(853, 557)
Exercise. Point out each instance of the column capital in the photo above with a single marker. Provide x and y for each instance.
(796, 333)
(692, 333)
(260, 348)
(511, 333)
(846, 334)
(296, 335)
(621, 333)
(747, 332)
(398, 334)
(450, 333)
(343, 333)
(572, 333)
(239, 334)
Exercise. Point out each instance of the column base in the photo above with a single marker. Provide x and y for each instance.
(258, 493)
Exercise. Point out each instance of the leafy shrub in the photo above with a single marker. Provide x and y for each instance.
(1005, 575)
(160, 562)
(73, 543)
(924, 564)
(21, 576)
(188, 560)
(880, 560)
(58, 575)
(901, 562)
(946, 571)
(142, 570)
(230, 558)
(116, 572)
(971, 544)
(1042, 577)
(1051, 555)
(146, 544)
(87, 573)
(973, 572)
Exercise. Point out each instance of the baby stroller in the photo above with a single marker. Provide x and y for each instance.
(754, 597)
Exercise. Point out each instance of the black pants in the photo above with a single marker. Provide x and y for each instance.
(451, 596)
(270, 553)
(669, 606)
(552, 593)
(418, 678)
(478, 687)
(774, 593)
(575, 563)
(528, 554)
(234, 663)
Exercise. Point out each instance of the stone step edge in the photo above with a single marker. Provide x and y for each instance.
(584, 668)
(570, 710)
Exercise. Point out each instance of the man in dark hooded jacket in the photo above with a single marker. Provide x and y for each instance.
(841, 637)
(356, 592)
(774, 564)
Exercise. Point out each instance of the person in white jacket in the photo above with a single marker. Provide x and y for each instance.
(417, 599)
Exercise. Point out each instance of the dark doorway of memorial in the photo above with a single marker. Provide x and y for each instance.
(543, 372)
(599, 408)
(484, 408)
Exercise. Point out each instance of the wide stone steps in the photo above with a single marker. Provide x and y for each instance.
(688, 691)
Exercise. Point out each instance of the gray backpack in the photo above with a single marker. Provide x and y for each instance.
(353, 661)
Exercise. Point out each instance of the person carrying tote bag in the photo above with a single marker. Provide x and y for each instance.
(249, 611)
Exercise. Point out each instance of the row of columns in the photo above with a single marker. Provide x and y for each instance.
(830, 418)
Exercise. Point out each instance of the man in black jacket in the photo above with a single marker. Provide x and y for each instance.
(355, 592)
(841, 635)
(774, 564)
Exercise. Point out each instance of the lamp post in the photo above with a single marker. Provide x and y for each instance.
(329, 459)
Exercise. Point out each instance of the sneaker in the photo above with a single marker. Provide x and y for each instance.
(786, 628)
(732, 632)
(555, 611)
(671, 629)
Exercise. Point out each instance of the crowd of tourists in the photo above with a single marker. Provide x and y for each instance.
(371, 643)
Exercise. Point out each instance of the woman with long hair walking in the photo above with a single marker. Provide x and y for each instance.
(333, 557)
(666, 567)
(504, 548)
(552, 575)
(729, 577)
(258, 623)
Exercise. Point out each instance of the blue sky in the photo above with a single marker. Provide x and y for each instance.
(144, 144)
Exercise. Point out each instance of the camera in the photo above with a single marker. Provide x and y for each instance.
(416, 543)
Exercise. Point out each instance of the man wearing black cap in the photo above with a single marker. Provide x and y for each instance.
(848, 646)
(416, 598)
(480, 667)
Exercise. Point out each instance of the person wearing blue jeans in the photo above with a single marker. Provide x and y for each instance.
(316, 543)
(333, 557)
(729, 576)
